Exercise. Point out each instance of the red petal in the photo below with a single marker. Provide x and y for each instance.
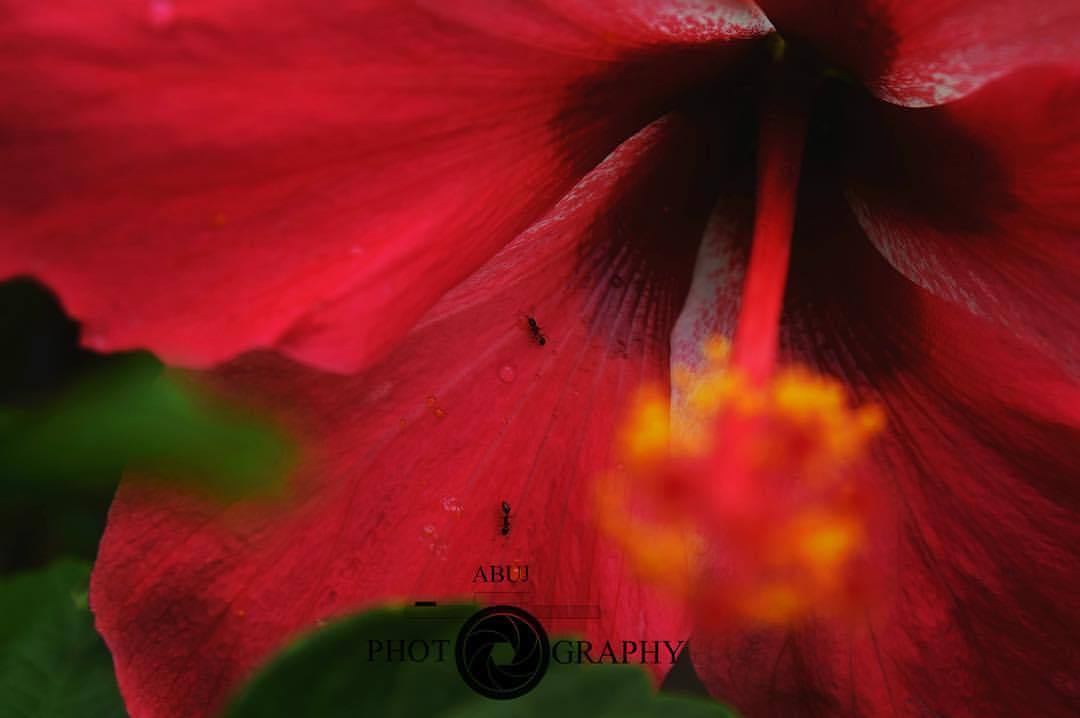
(926, 52)
(978, 572)
(468, 411)
(977, 202)
(206, 177)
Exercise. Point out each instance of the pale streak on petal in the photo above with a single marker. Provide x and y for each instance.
(708, 19)
(712, 304)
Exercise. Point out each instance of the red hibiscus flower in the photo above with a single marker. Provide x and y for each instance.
(392, 191)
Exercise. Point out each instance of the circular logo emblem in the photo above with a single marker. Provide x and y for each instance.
(502, 652)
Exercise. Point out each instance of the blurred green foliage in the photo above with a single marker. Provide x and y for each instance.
(327, 674)
(130, 415)
(52, 662)
(71, 421)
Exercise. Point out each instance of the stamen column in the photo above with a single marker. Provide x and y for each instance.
(780, 149)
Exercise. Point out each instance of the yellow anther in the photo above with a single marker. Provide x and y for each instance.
(647, 434)
(795, 435)
(661, 551)
(716, 350)
(824, 541)
(772, 603)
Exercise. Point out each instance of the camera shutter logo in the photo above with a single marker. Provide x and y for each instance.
(502, 652)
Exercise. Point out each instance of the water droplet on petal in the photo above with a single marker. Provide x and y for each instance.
(451, 505)
(430, 537)
(507, 373)
(402, 423)
(239, 613)
(438, 412)
(431, 400)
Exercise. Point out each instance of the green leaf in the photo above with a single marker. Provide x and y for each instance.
(133, 416)
(329, 674)
(52, 662)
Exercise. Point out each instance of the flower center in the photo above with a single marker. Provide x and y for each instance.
(749, 501)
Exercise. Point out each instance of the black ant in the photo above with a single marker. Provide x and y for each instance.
(537, 334)
(505, 531)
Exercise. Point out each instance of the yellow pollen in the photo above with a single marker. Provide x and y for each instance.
(786, 451)
(661, 551)
(646, 436)
(772, 603)
(716, 350)
(830, 543)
